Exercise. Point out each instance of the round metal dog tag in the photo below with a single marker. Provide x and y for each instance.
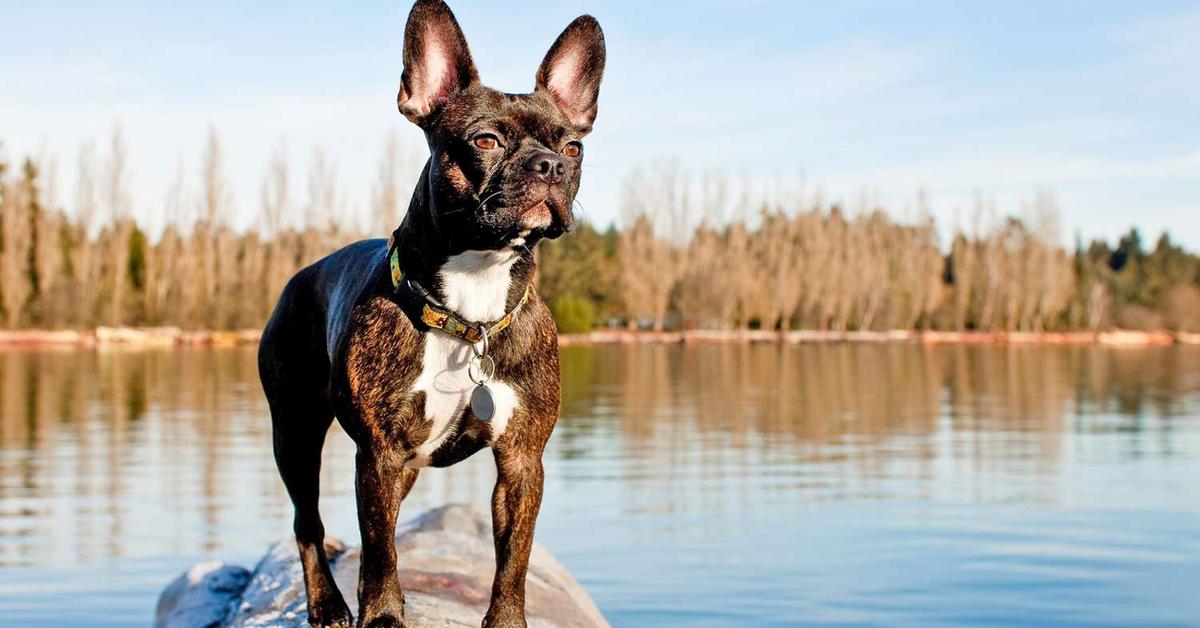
(482, 403)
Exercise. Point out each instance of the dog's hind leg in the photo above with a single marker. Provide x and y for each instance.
(301, 413)
(298, 456)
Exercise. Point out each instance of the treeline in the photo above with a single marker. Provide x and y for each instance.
(96, 265)
(694, 253)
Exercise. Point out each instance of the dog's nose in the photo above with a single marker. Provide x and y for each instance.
(546, 166)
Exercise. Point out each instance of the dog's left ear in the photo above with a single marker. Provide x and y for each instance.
(437, 63)
(572, 70)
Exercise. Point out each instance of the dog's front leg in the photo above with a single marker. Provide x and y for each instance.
(382, 483)
(515, 503)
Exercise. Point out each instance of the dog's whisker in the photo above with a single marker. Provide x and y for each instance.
(483, 203)
(579, 209)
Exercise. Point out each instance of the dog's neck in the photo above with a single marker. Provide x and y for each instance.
(481, 286)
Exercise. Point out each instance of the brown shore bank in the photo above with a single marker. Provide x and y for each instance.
(126, 336)
(173, 337)
(1128, 338)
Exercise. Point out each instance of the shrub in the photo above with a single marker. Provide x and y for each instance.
(573, 315)
(1182, 308)
(1139, 317)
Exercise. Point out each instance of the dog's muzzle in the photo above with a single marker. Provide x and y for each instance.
(537, 217)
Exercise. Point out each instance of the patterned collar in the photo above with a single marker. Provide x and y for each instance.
(437, 316)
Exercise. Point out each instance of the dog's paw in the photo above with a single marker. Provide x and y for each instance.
(331, 615)
(504, 619)
(385, 621)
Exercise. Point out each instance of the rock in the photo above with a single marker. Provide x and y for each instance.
(201, 597)
(446, 565)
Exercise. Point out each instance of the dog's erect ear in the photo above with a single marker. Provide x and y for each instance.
(437, 63)
(572, 70)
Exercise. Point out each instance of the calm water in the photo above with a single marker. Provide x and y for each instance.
(730, 485)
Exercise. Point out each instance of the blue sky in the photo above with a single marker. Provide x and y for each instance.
(1096, 101)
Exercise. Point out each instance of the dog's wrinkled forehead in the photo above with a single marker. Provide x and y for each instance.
(516, 116)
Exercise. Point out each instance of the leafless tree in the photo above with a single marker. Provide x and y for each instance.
(389, 195)
(655, 207)
(277, 206)
(118, 203)
(16, 243)
(276, 193)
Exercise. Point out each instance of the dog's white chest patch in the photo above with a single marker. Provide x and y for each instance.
(475, 285)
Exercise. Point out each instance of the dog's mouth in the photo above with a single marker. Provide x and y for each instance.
(538, 216)
(542, 219)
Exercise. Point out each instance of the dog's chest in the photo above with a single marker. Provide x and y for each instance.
(474, 284)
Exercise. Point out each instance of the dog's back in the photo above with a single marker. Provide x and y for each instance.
(312, 312)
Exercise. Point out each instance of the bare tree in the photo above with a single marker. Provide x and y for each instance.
(217, 197)
(636, 244)
(46, 224)
(116, 196)
(276, 206)
(322, 209)
(83, 254)
(164, 292)
(16, 245)
(388, 195)
(963, 254)
(214, 238)
(327, 213)
(1056, 277)
(276, 193)
(704, 278)
(655, 207)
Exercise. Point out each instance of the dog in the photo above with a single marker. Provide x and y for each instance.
(434, 344)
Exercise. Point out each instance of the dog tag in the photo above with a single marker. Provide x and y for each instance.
(482, 403)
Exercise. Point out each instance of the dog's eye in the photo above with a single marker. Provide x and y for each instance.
(572, 150)
(486, 142)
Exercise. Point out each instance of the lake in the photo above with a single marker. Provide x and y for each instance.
(731, 485)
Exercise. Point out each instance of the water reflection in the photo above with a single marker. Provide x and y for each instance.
(102, 449)
(851, 413)
(700, 457)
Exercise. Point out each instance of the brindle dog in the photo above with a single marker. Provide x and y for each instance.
(345, 342)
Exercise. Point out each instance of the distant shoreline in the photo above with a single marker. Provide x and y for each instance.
(1113, 338)
(137, 337)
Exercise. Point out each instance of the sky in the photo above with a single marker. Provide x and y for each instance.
(1097, 103)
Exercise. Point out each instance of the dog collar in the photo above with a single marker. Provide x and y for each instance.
(438, 316)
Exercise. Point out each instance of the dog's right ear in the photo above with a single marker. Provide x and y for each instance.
(437, 63)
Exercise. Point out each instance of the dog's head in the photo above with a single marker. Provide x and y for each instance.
(504, 168)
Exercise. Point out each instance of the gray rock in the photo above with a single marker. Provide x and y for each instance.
(446, 565)
(202, 597)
